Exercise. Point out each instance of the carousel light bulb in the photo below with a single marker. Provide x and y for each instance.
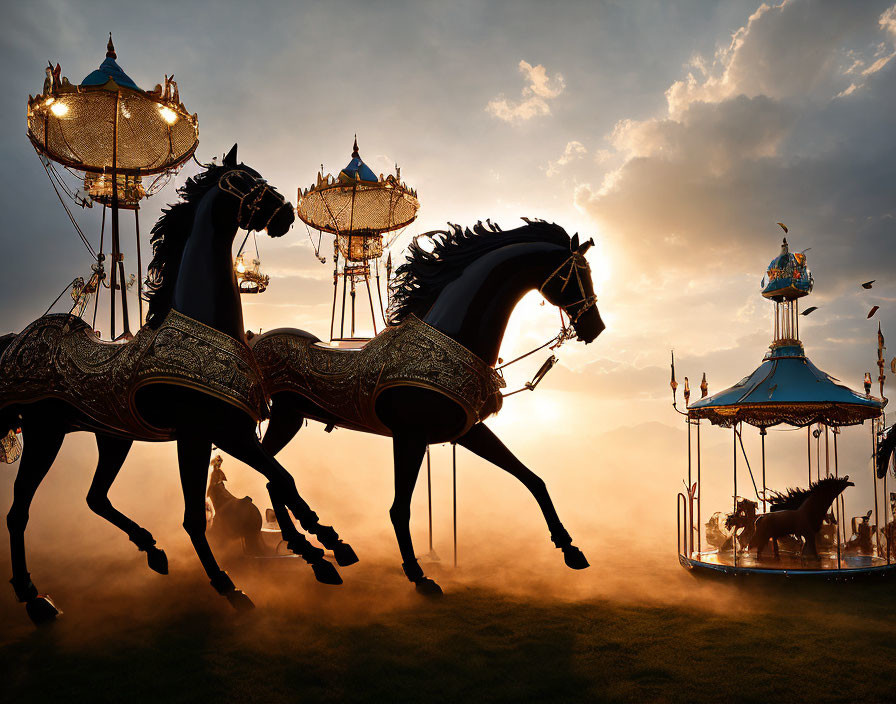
(49, 101)
(59, 109)
(168, 115)
(240, 266)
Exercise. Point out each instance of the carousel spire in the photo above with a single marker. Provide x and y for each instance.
(355, 154)
(110, 49)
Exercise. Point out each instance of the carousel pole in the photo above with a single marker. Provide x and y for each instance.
(809, 450)
(429, 496)
(370, 298)
(690, 544)
(699, 492)
(762, 434)
(838, 501)
(117, 258)
(734, 455)
(454, 496)
(335, 286)
(827, 454)
(99, 260)
(139, 263)
(874, 480)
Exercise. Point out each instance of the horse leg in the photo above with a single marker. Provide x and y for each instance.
(283, 426)
(809, 546)
(245, 447)
(113, 452)
(483, 442)
(192, 456)
(408, 448)
(43, 437)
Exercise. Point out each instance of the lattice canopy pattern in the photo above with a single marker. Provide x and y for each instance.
(76, 127)
(344, 205)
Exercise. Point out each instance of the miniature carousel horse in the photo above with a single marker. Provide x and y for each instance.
(743, 519)
(188, 375)
(430, 377)
(798, 512)
(234, 519)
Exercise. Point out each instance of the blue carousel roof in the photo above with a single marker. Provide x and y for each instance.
(357, 169)
(787, 388)
(109, 69)
(787, 277)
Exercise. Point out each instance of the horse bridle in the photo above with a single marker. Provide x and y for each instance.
(250, 199)
(576, 263)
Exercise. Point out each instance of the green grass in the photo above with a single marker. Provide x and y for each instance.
(131, 637)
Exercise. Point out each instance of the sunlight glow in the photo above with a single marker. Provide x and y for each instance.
(59, 109)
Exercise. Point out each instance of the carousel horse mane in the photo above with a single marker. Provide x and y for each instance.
(886, 448)
(420, 280)
(169, 237)
(792, 499)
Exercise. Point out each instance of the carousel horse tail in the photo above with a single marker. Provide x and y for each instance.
(886, 448)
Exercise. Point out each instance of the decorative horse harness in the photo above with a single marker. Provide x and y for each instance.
(347, 383)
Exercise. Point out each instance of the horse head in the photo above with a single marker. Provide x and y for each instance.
(258, 205)
(571, 287)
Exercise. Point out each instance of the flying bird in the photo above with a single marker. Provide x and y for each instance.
(783, 227)
(809, 310)
(867, 284)
(873, 311)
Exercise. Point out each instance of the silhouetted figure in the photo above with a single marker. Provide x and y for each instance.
(862, 530)
(430, 377)
(187, 375)
(799, 512)
(234, 519)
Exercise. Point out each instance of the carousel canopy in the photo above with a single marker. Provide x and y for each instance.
(356, 201)
(787, 387)
(107, 121)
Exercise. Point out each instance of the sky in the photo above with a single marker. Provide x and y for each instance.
(674, 134)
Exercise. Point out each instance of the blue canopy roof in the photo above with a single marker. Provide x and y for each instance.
(787, 388)
(109, 69)
(356, 168)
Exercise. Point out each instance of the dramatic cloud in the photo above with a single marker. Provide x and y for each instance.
(765, 134)
(535, 97)
(574, 150)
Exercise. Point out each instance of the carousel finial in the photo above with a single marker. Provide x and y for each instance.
(110, 49)
(704, 387)
(355, 154)
(687, 392)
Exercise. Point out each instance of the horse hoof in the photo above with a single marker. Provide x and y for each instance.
(41, 610)
(428, 587)
(574, 558)
(344, 554)
(239, 601)
(157, 560)
(326, 573)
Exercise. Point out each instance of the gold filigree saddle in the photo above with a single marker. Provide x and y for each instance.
(346, 383)
(58, 356)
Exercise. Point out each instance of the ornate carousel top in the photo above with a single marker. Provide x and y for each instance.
(108, 122)
(356, 201)
(788, 277)
(787, 388)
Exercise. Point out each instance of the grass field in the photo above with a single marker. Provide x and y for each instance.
(129, 636)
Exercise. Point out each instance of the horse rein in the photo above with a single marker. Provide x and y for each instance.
(249, 199)
(576, 263)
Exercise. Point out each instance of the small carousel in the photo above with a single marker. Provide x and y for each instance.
(794, 531)
(365, 214)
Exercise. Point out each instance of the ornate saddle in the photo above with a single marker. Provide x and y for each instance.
(347, 383)
(58, 356)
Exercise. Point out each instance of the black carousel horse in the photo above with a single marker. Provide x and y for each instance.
(799, 512)
(430, 377)
(188, 375)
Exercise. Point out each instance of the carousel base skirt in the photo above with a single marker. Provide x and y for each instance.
(851, 566)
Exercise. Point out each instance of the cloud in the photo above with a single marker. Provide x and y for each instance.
(574, 150)
(764, 136)
(535, 96)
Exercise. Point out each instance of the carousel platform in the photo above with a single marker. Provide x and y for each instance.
(825, 567)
